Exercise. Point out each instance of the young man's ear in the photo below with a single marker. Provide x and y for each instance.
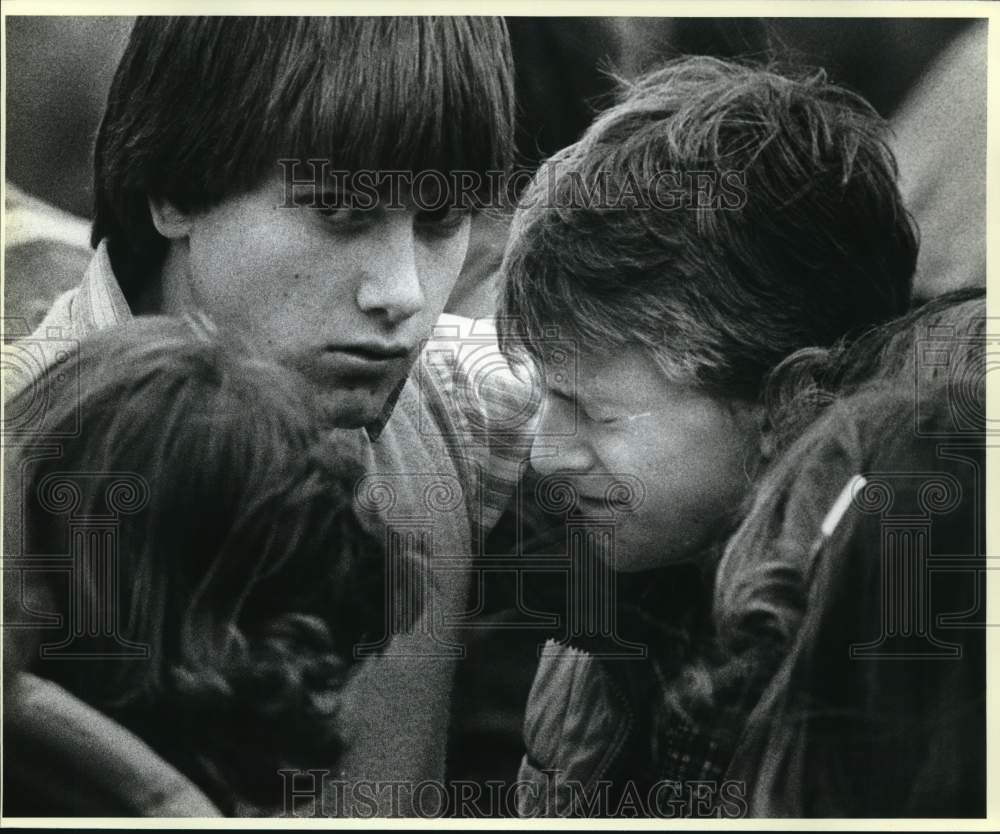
(751, 422)
(169, 220)
(768, 443)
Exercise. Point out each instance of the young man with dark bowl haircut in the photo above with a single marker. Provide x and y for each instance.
(208, 202)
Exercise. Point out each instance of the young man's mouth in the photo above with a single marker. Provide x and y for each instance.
(374, 351)
(371, 357)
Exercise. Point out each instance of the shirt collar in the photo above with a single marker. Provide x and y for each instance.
(376, 426)
(99, 302)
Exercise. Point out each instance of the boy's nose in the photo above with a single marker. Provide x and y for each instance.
(558, 445)
(392, 286)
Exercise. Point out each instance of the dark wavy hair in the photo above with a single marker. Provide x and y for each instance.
(237, 559)
(934, 357)
(719, 217)
(832, 413)
(868, 714)
(905, 401)
(942, 339)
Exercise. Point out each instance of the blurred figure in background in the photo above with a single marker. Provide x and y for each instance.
(941, 144)
(58, 73)
(562, 72)
(46, 251)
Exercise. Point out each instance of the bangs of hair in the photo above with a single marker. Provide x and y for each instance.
(405, 93)
(609, 279)
(201, 109)
(385, 94)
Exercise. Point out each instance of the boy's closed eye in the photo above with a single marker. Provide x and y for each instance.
(610, 419)
(596, 412)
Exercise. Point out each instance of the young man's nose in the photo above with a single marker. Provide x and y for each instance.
(391, 285)
(558, 445)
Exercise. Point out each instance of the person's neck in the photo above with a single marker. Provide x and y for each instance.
(170, 293)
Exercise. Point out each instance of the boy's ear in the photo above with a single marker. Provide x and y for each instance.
(169, 220)
(767, 442)
(768, 446)
(752, 423)
(756, 426)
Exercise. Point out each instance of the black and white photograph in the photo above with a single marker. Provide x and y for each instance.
(413, 417)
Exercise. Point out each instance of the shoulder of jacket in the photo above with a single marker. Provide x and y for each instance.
(576, 725)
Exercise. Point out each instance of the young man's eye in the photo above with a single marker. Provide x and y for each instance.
(443, 220)
(345, 214)
(340, 209)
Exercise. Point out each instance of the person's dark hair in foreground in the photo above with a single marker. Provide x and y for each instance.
(941, 340)
(239, 560)
(878, 709)
(865, 595)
